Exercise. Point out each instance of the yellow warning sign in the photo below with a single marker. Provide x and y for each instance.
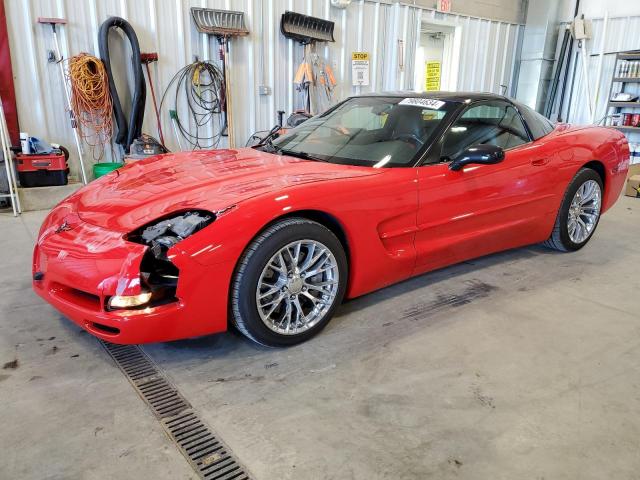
(360, 69)
(432, 74)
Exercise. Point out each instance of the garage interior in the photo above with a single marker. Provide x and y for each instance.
(519, 364)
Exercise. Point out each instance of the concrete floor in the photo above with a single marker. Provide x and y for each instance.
(524, 365)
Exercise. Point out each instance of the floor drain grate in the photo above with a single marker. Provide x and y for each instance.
(206, 453)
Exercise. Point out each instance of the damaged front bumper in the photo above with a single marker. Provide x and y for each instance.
(80, 267)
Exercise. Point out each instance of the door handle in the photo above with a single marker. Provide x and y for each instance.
(539, 162)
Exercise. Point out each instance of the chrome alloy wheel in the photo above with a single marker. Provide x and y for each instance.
(297, 287)
(584, 211)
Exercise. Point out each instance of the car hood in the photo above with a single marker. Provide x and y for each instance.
(208, 180)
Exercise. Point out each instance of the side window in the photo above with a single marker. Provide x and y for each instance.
(538, 124)
(496, 123)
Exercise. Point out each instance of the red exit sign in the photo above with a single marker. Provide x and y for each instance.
(443, 6)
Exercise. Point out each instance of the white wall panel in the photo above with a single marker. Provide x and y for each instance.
(265, 57)
(623, 33)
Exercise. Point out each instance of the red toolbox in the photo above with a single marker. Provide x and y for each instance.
(44, 170)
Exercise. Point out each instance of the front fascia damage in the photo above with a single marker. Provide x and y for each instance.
(157, 272)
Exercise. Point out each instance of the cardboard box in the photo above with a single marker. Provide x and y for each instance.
(633, 187)
(634, 169)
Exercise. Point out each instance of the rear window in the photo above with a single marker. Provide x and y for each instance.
(538, 124)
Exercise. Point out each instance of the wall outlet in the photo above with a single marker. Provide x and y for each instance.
(264, 90)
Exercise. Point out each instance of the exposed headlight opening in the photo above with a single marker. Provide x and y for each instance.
(164, 233)
(157, 273)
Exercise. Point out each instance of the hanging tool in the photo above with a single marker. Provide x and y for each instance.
(54, 22)
(314, 73)
(226, 92)
(146, 59)
(223, 24)
(325, 76)
(303, 80)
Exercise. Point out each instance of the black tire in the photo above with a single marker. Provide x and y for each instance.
(243, 306)
(559, 239)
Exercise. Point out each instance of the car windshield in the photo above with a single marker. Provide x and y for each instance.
(367, 131)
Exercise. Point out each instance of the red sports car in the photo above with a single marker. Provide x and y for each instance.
(272, 238)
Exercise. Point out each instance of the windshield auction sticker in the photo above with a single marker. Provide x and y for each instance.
(429, 103)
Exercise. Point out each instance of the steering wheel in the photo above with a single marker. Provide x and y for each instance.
(410, 138)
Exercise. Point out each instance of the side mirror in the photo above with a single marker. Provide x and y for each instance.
(482, 154)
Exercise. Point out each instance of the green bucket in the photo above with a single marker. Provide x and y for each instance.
(100, 169)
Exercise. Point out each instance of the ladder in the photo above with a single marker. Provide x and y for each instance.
(8, 165)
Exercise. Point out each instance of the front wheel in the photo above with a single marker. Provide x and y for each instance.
(288, 283)
(579, 213)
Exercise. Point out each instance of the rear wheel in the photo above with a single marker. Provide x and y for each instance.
(289, 282)
(579, 213)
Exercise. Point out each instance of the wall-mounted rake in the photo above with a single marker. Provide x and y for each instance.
(223, 24)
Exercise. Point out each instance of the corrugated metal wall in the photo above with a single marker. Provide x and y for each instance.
(622, 34)
(487, 60)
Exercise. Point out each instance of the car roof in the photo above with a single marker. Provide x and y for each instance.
(458, 97)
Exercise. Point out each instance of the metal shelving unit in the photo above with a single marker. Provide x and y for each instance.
(623, 81)
(624, 104)
(626, 80)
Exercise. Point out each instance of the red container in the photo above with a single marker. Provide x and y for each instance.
(635, 119)
(42, 170)
(627, 119)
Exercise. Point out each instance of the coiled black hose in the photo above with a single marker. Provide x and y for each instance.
(127, 132)
(202, 84)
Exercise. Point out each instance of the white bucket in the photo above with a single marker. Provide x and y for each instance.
(24, 143)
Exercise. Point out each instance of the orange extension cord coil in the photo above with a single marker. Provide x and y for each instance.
(91, 101)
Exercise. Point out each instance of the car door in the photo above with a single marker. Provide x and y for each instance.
(481, 209)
